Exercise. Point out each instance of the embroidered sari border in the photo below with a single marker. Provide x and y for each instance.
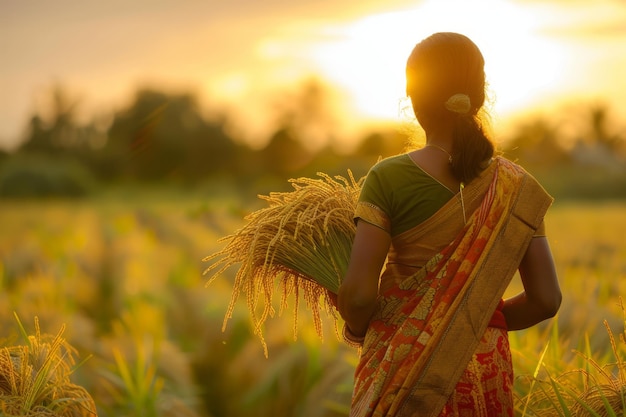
(373, 215)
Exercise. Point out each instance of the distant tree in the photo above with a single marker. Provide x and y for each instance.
(38, 137)
(308, 112)
(329, 161)
(305, 124)
(578, 158)
(382, 143)
(284, 155)
(537, 143)
(56, 130)
(598, 142)
(164, 136)
(601, 129)
(56, 157)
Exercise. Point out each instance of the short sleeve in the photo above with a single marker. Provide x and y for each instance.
(373, 215)
(397, 195)
(374, 205)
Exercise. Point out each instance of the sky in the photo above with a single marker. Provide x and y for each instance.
(241, 54)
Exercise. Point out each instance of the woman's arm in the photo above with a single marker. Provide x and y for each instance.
(358, 292)
(541, 297)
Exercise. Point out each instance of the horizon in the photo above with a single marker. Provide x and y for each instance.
(539, 55)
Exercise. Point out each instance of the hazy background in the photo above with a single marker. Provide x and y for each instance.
(241, 54)
(199, 92)
(135, 135)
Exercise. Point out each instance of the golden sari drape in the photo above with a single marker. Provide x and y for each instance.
(430, 323)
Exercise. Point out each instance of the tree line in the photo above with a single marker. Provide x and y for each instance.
(165, 138)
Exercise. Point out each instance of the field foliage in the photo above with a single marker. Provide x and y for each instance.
(123, 278)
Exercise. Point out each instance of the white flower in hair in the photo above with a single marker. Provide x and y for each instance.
(459, 103)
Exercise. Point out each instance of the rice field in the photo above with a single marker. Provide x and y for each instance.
(123, 278)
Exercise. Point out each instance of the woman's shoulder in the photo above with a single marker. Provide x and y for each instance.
(513, 167)
(517, 173)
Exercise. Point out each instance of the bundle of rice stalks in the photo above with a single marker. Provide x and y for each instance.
(34, 379)
(300, 243)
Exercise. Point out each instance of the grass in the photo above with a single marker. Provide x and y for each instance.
(124, 280)
(35, 378)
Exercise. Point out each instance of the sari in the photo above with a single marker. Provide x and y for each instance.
(436, 323)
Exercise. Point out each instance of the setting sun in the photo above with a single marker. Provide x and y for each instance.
(538, 54)
(367, 57)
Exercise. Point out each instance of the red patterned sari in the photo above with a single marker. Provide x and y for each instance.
(435, 347)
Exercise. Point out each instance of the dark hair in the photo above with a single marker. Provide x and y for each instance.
(441, 66)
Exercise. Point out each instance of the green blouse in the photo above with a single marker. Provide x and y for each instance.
(404, 192)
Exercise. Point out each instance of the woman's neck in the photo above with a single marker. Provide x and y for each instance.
(441, 137)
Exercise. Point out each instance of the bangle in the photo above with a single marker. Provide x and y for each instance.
(350, 338)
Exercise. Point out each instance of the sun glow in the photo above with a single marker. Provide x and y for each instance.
(367, 57)
(538, 56)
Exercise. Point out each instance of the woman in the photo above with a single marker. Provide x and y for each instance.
(448, 225)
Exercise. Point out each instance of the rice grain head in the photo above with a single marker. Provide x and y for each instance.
(35, 379)
(605, 400)
(300, 243)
